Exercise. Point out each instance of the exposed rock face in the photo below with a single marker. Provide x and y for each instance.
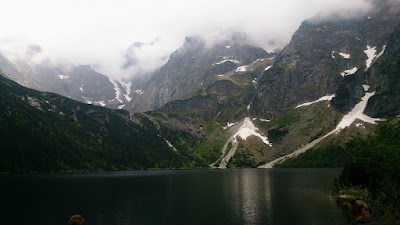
(384, 78)
(380, 74)
(80, 83)
(193, 67)
(319, 55)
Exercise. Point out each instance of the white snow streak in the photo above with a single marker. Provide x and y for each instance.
(324, 98)
(227, 60)
(246, 130)
(268, 67)
(127, 87)
(81, 88)
(347, 120)
(370, 54)
(357, 113)
(358, 125)
(366, 87)
(349, 72)
(229, 125)
(345, 55)
(121, 106)
(117, 90)
(170, 145)
(62, 77)
(140, 92)
(332, 54)
(381, 53)
(242, 68)
(264, 120)
(101, 103)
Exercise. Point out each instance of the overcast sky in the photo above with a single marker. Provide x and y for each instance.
(99, 32)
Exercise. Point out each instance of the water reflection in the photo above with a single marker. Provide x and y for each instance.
(248, 195)
(239, 196)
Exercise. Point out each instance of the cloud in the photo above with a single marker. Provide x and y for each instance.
(102, 33)
(343, 11)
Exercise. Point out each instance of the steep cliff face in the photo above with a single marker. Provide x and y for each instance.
(384, 79)
(193, 67)
(81, 83)
(320, 55)
(380, 75)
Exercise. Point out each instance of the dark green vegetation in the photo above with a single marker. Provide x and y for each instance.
(46, 132)
(331, 156)
(371, 169)
(374, 166)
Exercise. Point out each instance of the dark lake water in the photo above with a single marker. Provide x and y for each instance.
(232, 196)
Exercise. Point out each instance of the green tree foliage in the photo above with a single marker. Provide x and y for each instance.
(47, 132)
(330, 156)
(375, 165)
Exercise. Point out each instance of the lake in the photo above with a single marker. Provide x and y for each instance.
(231, 196)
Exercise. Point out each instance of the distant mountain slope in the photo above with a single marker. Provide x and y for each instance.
(45, 132)
(79, 82)
(319, 56)
(193, 67)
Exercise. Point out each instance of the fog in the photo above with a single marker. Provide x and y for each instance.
(125, 38)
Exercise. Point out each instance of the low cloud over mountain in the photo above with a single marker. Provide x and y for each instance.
(100, 32)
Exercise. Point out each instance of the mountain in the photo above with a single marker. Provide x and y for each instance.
(305, 100)
(194, 67)
(42, 131)
(382, 79)
(225, 104)
(322, 53)
(81, 83)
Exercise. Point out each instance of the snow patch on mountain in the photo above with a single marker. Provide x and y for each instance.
(246, 130)
(227, 60)
(229, 125)
(140, 92)
(358, 125)
(333, 55)
(170, 145)
(100, 103)
(370, 54)
(324, 98)
(242, 68)
(349, 72)
(121, 106)
(267, 68)
(356, 113)
(381, 53)
(62, 77)
(117, 90)
(344, 55)
(127, 87)
(248, 107)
